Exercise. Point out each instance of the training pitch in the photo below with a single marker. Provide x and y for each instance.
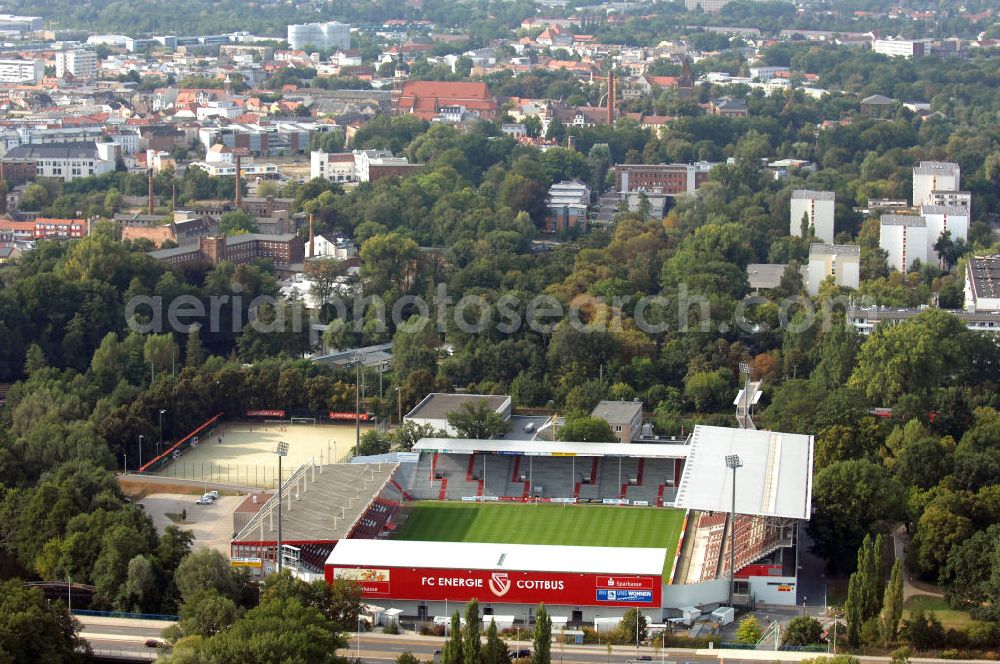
(545, 523)
(246, 455)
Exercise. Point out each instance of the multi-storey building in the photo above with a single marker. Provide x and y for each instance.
(941, 218)
(818, 207)
(666, 179)
(283, 250)
(840, 261)
(982, 284)
(66, 161)
(323, 36)
(21, 71)
(567, 205)
(79, 63)
(901, 48)
(904, 238)
(934, 176)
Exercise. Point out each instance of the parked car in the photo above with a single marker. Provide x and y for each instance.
(153, 643)
(214, 495)
(204, 500)
(523, 653)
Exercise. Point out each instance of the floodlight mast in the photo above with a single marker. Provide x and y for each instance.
(281, 451)
(732, 461)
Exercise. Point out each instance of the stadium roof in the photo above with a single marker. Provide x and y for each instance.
(774, 480)
(511, 557)
(551, 448)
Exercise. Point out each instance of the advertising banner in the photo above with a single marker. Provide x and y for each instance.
(264, 412)
(561, 588)
(349, 417)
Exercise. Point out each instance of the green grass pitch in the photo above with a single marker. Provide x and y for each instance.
(545, 523)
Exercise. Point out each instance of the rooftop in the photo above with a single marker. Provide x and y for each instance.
(551, 448)
(775, 478)
(81, 150)
(765, 275)
(935, 168)
(903, 220)
(959, 210)
(437, 406)
(984, 274)
(834, 249)
(813, 195)
(617, 412)
(508, 557)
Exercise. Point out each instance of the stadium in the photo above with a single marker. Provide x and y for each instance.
(590, 529)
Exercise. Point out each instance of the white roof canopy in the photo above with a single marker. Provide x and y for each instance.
(551, 448)
(775, 478)
(509, 557)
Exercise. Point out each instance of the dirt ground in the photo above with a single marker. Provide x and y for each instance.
(212, 525)
(246, 454)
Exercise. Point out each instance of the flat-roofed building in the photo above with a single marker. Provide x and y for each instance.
(934, 176)
(904, 238)
(21, 71)
(818, 207)
(435, 408)
(567, 206)
(941, 218)
(982, 284)
(624, 417)
(840, 261)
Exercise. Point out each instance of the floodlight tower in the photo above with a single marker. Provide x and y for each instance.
(733, 462)
(281, 451)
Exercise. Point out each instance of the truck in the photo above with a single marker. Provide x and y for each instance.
(688, 615)
(724, 615)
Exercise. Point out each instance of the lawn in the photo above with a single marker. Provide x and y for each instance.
(948, 616)
(546, 523)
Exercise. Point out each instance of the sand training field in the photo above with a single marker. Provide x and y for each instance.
(246, 454)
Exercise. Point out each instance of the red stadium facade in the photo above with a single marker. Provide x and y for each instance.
(511, 587)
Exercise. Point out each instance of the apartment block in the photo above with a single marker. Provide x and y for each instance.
(567, 206)
(904, 238)
(840, 261)
(79, 64)
(21, 71)
(941, 218)
(818, 206)
(901, 48)
(934, 176)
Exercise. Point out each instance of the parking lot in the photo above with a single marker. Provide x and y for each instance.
(212, 525)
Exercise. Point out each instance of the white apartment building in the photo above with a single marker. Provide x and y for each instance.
(840, 261)
(952, 198)
(707, 6)
(332, 166)
(934, 176)
(67, 161)
(982, 284)
(941, 218)
(765, 73)
(819, 206)
(904, 238)
(324, 36)
(901, 48)
(79, 63)
(21, 71)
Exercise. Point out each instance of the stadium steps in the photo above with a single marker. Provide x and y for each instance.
(593, 470)
(638, 472)
(434, 463)
(659, 495)
(576, 490)
(444, 489)
(471, 468)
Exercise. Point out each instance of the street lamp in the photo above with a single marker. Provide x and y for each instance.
(732, 461)
(162, 412)
(140, 451)
(282, 451)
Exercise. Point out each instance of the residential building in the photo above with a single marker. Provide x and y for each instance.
(904, 238)
(707, 6)
(624, 417)
(332, 166)
(42, 228)
(728, 107)
(79, 64)
(952, 199)
(901, 48)
(332, 246)
(876, 106)
(8, 254)
(840, 261)
(66, 161)
(372, 165)
(941, 218)
(865, 320)
(982, 284)
(667, 179)
(934, 176)
(426, 99)
(247, 169)
(278, 139)
(283, 250)
(21, 71)
(16, 172)
(322, 36)
(435, 408)
(765, 73)
(818, 207)
(566, 205)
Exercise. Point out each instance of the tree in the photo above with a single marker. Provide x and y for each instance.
(33, 198)
(237, 222)
(892, 605)
(542, 638)
(404, 437)
(276, 631)
(922, 630)
(139, 584)
(205, 569)
(471, 644)
(452, 652)
(854, 609)
(35, 630)
(495, 651)
(750, 630)
(478, 420)
(633, 626)
(407, 657)
(802, 631)
(194, 354)
(205, 613)
(851, 499)
(587, 429)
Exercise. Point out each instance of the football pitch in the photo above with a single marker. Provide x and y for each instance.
(545, 523)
